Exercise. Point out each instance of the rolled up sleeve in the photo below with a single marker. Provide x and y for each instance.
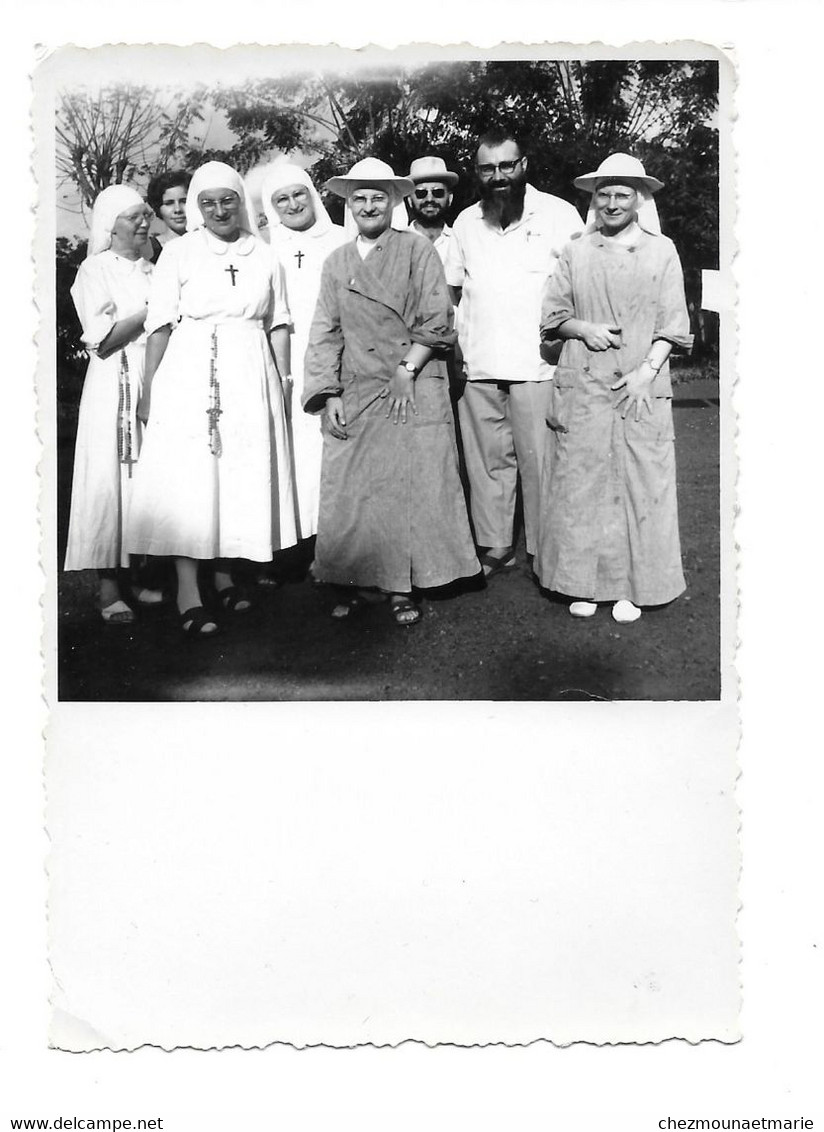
(672, 320)
(94, 304)
(455, 265)
(280, 315)
(434, 321)
(321, 366)
(557, 303)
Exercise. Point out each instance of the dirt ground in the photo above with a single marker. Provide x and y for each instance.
(507, 640)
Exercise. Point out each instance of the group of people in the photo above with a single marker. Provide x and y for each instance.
(246, 394)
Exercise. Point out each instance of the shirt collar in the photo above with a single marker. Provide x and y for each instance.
(127, 266)
(445, 231)
(531, 202)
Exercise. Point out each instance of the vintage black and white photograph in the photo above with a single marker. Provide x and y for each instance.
(394, 377)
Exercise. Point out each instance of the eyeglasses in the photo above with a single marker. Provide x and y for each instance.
(283, 200)
(229, 204)
(604, 197)
(506, 167)
(437, 194)
(369, 200)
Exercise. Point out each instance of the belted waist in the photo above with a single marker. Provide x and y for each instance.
(252, 325)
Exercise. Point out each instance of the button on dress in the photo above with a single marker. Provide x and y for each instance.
(392, 510)
(609, 513)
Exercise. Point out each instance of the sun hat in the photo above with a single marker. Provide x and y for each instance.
(431, 169)
(370, 171)
(619, 167)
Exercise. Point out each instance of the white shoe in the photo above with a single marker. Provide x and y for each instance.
(583, 608)
(625, 612)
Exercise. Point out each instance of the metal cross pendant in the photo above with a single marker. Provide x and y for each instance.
(299, 256)
(233, 271)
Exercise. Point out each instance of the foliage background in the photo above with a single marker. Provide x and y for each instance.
(568, 114)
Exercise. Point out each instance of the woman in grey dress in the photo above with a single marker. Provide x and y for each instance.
(609, 516)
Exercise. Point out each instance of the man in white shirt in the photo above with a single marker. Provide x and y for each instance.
(430, 202)
(502, 251)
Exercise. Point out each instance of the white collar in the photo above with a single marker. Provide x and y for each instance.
(127, 266)
(243, 245)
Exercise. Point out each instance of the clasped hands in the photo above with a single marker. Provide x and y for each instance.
(635, 386)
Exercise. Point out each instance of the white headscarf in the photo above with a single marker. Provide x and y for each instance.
(647, 210)
(277, 177)
(107, 207)
(217, 175)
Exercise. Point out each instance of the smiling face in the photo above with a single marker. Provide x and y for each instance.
(220, 209)
(131, 230)
(295, 207)
(430, 203)
(499, 167)
(372, 209)
(501, 171)
(616, 206)
(172, 209)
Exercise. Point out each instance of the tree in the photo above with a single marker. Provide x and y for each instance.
(121, 133)
(568, 114)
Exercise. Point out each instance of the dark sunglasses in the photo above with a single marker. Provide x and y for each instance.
(438, 194)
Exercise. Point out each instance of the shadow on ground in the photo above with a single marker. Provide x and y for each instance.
(504, 641)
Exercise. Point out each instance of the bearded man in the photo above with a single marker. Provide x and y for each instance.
(430, 201)
(502, 251)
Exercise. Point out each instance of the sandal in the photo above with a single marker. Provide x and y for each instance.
(118, 613)
(404, 611)
(234, 600)
(492, 566)
(193, 622)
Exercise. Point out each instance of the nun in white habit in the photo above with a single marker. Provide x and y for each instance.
(110, 294)
(215, 477)
(301, 236)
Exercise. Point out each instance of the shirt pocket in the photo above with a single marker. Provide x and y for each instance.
(539, 253)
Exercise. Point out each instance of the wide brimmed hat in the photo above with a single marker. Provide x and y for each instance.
(431, 169)
(619, 167)
(370, 171)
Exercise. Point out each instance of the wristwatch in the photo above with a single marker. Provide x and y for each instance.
(410, 367)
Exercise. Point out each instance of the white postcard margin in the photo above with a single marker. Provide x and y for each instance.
(374, 873)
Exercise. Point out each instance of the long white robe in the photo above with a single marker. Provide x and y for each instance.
(203, 491)
(108, 288)
(302, 256)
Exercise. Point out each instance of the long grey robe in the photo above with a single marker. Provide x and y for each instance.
(609, 515)
(392, 511)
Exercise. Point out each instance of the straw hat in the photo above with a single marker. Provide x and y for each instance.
(373, 172)
(619, 167)
(431, 169)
